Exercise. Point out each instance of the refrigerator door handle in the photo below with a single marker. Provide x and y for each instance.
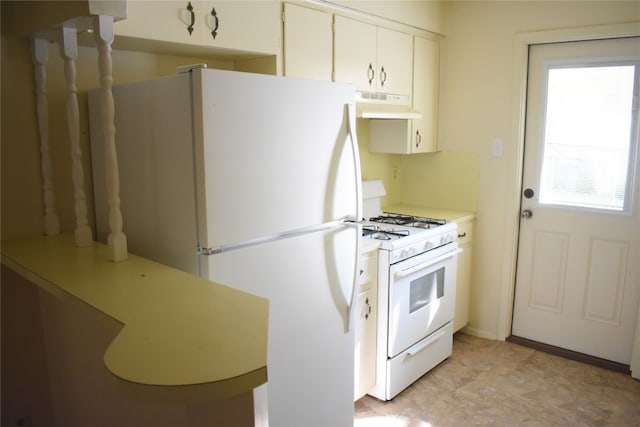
(355, 154)
(273, 237)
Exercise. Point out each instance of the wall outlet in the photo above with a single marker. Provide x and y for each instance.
(497, 147)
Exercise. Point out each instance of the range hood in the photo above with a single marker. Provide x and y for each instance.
(375, 105)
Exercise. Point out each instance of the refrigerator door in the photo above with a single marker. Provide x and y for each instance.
(276, 155)
(272, 155)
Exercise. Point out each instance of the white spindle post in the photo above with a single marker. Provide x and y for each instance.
(69, 53)
(39, 52)
(117, 240)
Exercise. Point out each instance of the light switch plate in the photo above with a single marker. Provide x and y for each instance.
(497, 147)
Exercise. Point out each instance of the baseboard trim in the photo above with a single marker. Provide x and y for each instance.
(479, 333)
(569, 354)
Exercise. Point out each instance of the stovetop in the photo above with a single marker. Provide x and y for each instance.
(408, 220)
(406, 235)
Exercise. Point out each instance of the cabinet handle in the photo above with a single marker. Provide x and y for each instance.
(367, 310)
(371, 74)
(460, 236)
(383, 76)
(193, 18)
(418, 138)
(215, 22)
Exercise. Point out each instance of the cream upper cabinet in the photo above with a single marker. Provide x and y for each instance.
(354, 53)
(233, 24)
(426, 15)
(426, 64)
(372, 58)
(418, 135)
(395, 53)
(308, 43)
(241, 24)
(159, 20)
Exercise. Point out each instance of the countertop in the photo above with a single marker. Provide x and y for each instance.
(448, 214)
(368, 245)
(178, 329)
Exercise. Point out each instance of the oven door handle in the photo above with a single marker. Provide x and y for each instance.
(417, 349)
(409, 271)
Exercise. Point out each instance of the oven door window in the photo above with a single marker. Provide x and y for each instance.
(426, 289)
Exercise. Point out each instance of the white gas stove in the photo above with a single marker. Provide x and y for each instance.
(416, 292)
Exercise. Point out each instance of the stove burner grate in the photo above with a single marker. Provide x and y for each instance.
(409, 221)
(378, 233)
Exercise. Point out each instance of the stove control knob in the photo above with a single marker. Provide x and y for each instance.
(412, 251)
(428, 245)
(404, 253)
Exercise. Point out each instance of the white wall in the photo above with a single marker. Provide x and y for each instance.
(477, 104)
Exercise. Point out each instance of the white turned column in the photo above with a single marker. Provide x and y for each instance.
(39, 52)
(69, 53)
(117, 240)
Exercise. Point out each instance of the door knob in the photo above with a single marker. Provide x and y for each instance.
(526, 214)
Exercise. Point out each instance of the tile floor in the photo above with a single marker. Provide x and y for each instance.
(495, 383)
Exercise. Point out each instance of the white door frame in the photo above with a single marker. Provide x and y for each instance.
(520, 70)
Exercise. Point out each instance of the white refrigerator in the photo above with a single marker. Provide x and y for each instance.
(252, 181)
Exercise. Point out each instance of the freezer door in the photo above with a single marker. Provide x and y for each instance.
(272, 154)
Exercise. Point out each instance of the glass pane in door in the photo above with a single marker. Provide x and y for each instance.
(588, 137)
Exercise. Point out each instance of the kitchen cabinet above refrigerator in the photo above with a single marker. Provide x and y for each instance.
(247, 26)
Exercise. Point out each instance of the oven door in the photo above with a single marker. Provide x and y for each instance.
(421, 296)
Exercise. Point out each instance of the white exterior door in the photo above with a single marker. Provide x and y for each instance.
(578, 272)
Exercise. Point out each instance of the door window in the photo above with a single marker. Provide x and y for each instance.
(589, 134)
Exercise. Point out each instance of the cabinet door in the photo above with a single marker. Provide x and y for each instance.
(354, 54)
(243, 25)
(394, 62)
(308, 43)
(161, 20)
(463, 275)
(365, 330)
(425, 95)
(365, 325)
